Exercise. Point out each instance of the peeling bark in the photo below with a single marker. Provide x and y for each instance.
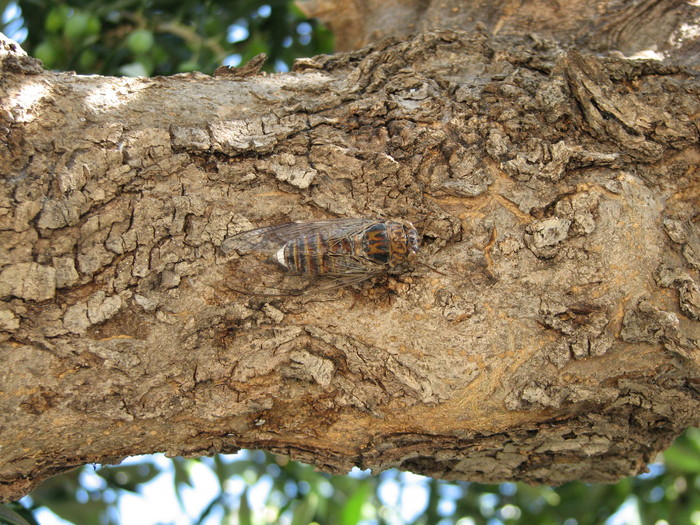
(557, 196)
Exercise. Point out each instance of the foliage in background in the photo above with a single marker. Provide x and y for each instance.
(161, 37)
(254, 488)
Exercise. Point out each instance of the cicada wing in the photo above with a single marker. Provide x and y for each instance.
(296, 285)
(249, 241)
(289, 286)
(254, 275)
(272, 238)
(333, 282)
(349, 264)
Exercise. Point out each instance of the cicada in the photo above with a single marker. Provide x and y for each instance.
(303, 257)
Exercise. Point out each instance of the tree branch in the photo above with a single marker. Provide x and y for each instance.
(556, 193)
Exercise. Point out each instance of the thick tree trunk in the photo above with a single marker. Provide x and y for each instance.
(556, 194)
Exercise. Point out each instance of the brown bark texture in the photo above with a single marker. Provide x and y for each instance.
(555, 337)
(659, 28)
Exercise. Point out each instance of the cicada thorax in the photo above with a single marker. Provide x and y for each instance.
(391, 243)
(394, 243)
(376, 244)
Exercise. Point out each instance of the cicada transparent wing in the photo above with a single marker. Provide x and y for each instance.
(249, 280)
(270, 238)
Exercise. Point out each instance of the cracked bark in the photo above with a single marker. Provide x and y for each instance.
(556, 193)
(659, 28)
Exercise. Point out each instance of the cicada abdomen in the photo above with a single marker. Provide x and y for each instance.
(321, 255)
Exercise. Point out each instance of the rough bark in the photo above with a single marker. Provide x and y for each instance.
(557, 195)
(660, 28)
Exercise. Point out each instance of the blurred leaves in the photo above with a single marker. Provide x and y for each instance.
(162, 37)
(66, 497)
(244, 512)
(684, 456)
(352, 510)
(89, 494)
(129, 477)
(256, 488)
(11, 514)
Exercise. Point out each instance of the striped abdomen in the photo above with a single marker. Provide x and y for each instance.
(315, 254)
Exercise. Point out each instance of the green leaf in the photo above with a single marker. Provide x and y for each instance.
(181, 476)
(93, 25)
(216, 502)
(87, 60)
(305, 510)
(129, 477)
(682, 458)
(222, 471)
(692, 437)
(244, 512)
(46, 53)
(10, 517)
(140, 41)
(56, 19)
(352, 510)
(76, 27)
(186, 67)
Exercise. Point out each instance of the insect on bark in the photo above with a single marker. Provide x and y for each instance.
(316, 256)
